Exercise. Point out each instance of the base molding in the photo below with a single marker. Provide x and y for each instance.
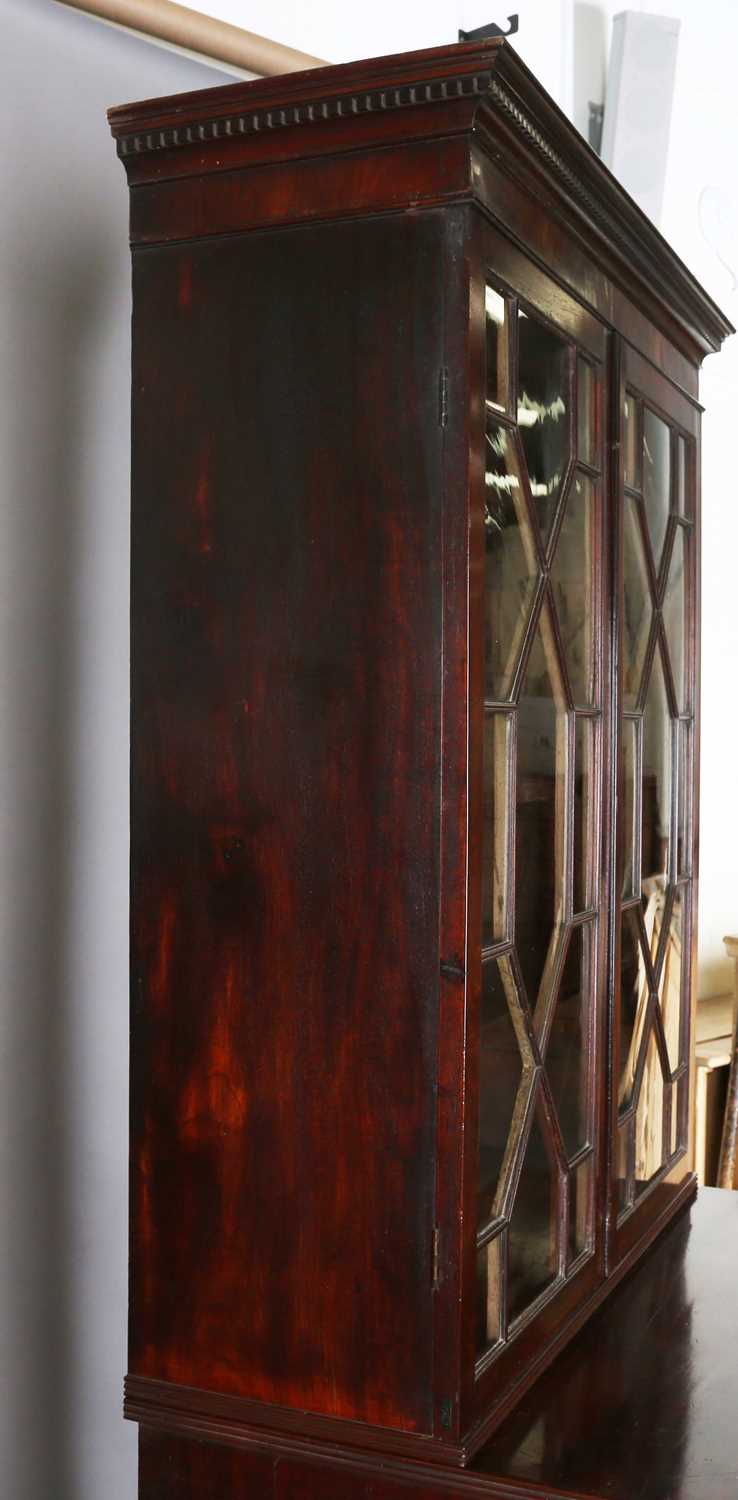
(238, 1422)
(220, 1417)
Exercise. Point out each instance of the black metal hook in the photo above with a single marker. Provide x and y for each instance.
(482, 32)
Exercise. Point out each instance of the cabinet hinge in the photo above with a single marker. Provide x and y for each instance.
(443, 396)
(435, 1257)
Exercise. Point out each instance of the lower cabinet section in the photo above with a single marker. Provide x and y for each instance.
(179, 1468)
(641, 1403)
(176, 1468)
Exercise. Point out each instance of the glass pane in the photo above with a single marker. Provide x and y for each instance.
(670, 981)
(567, 1053)
(636, 603)
(684, 800)
(681, 1100)
(621, 1163)
(532, 1258)
(673, 1119)
(674, 612)
(586, 433)
(629, 751)
(656, 478)
(631, 443)
(495, 827)
(489, 1294)
(540, 810)
(649, 1122)
(497, 347)
(585, 853)
(654, 912)
(580, 1209)
(656, 787)
(510, 566)
(572, 581)
(543, 416)
(633, 1003)
(683, 507)
(500, 1074)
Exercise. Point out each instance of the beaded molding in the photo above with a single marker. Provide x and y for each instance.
(374, 101)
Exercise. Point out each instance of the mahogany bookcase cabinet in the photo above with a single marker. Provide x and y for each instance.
(415, 634)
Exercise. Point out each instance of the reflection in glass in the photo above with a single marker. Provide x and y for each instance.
(567, 1053)
(629, 783)
(673, 1119)
(656, 786)
(580, 1209)
(674, 617)
(621, 1162)
(681, 1100)
(586, 436)
(631, 443)
(656, 478)
(670, 981)
(572, 580)
(633, 1003)
(684, 797)
(500, 1073)
(540, 810)
(649, 1120)
(497, 347)
(636, 602)
(584, 814)
(510, 563)
(543, 416)
(489, 1293)
(495, 827)
(682, 498)
(654, 913)
(532, 1258)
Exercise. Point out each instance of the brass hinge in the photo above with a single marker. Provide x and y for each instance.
(443, 396)
(435, 1257)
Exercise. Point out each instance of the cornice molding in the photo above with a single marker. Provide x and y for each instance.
(506, 105)
(640, 245)
(590, 187)
(333, 107)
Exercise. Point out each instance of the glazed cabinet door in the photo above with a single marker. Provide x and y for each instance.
(655, 804)
(538, 888)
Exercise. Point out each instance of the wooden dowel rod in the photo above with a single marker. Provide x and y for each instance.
(181, 27)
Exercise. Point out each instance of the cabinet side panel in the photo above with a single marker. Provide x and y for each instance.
(175, 1468)
(286, 672)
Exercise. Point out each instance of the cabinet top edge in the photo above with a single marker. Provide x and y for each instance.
(504, 99)
(309, 86)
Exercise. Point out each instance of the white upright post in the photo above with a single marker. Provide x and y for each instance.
(640, 90)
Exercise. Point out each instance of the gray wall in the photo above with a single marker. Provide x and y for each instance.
(64, 425)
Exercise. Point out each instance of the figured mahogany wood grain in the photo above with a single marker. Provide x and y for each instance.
(215, 203)
(642, 1404)
(285, 842)
(171, 1468)
(306, 657)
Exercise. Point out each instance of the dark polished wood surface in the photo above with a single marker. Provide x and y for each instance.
(285, 817)
(643, 1405)
(435, 94)
(309, 483)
